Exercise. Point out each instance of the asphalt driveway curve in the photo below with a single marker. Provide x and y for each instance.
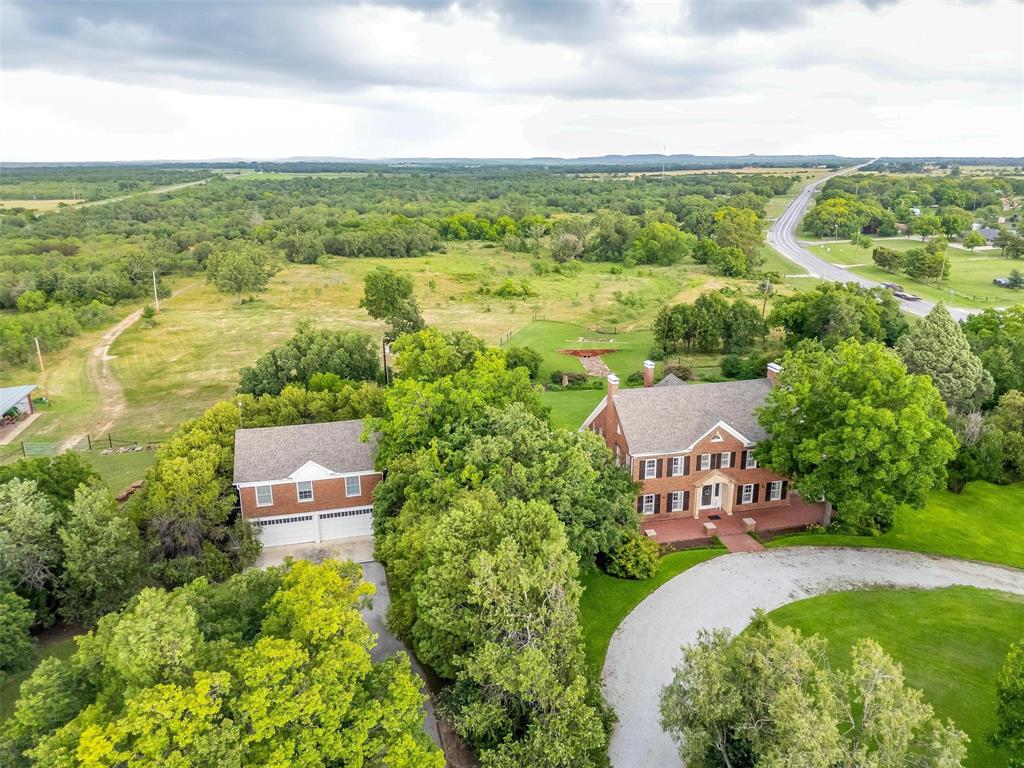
(782, 237)
(724, 592)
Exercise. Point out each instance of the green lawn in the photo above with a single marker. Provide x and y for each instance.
(119, 470)
(569, 409)
(61, 647)
(985, 522)
(951, 643)
(970, 274)
(607, 600)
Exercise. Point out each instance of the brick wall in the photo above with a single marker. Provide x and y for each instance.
(327, 494)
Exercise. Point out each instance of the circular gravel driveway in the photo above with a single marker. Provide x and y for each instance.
(724, 592)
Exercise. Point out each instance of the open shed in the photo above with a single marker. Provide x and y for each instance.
(19, 398)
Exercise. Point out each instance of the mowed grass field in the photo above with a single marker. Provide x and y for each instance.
(984, 523)
(970, 275)
(43, 206)
(951, 643)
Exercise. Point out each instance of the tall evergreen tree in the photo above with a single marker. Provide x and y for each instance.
(937, 347)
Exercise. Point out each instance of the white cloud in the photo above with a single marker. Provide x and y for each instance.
(193, 80)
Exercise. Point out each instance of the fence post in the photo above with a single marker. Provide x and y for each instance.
(110, 441)
(89, 441)
(23, 454)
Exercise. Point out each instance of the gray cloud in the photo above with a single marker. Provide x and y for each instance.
(725, 17)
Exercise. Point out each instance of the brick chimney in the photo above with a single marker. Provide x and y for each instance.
(648, 373)
(773, 370)
(613, 385)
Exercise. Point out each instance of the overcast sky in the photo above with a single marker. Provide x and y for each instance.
(153, 79)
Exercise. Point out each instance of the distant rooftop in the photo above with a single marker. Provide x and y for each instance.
(275, 453)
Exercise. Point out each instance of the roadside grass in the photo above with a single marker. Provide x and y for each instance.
(951, 643)
(606, 600)
(61, 647)
(970, 274)
(982, 523)
(119, 470)
(571, 407)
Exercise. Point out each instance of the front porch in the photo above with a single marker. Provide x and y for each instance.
(796, 515)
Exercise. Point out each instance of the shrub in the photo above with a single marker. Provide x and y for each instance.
(515, 289)
(634, 558)
(680, 371)
(31, 301)
(523, 357)
(571, 379)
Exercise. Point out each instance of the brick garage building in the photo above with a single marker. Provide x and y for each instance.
(691, 446)
(306, 483)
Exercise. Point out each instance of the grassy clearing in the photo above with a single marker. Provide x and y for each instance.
(61, 646)
(951, 643)
(569, 409)
(982, 523)
(44, 206)
(970, 273)
(119, 470)
(607, 600)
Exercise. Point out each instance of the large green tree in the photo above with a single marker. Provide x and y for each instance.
(16, 618)
(103, 557)
(1010, 705)
(851, 426)
(387, 296)
(29, 547)
(350, 355)
(739, 228)
(770, 698)
(937, 347)
(834, 312)
(430, 354)
(238, 269)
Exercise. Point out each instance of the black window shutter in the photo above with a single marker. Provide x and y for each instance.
(732, 459)
(686, 500)
(756, 487)
(657, 503)
(639, 503)
(739, 494)
(658, 471)
(686, 465)
(785, 486)
(743, 460)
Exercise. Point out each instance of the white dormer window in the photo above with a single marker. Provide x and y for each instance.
(751, 461)
(677, 466)
(650, 469)
(704, 461)
(304, 489)
(726, 461)
(353, 486)
(717, 437)
(618, 428)
(264, 496)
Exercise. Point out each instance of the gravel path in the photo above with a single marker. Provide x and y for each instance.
(724, 593)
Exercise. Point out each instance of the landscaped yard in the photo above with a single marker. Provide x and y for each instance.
(607, 600)
(119, 470)
(985, 522)
(569, 409)
(970, 274)
(951, 642)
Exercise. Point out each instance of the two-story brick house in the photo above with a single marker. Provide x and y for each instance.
(691, 446)
(306, 483)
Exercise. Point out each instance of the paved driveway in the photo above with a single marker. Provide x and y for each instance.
(724, 593)
(358, 549)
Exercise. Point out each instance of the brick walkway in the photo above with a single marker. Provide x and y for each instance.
(740, 542)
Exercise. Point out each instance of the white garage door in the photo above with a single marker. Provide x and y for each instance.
(294, 529)
(344, 523)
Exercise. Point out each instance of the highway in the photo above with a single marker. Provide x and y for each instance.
(782, 237)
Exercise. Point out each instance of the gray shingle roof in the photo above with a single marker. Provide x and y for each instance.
(670, 419)
(670, 380)
(11, 396)
(274, 453)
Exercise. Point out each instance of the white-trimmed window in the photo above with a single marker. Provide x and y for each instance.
(353, 487)
(704, 461)
(648, 504)
(677, 501)
(304, 490)
(264, 496)
(751, 461)
(747, 494)
(650, 469)
(677, 466)
(618, 427)
(726, 461)
(774, 490)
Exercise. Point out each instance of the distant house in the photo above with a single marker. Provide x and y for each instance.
(691, 447)
(306, 483)
(989, 233)
(16, 402)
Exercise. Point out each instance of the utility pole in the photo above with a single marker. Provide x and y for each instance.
(42, 368)
(156, 298)
(384, 349)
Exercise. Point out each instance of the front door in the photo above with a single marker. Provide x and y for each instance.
(711, 496)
